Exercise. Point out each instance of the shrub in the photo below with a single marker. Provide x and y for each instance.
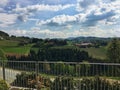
(3, 85)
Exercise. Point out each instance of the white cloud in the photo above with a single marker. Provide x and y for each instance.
(18, 32)
(3, 2)
(63, 19)
(91, 31)
(36, 32)
(99, 10)
(68, 27)
(47, 33)
(95, 31)
(25, 12)
(41, 7)
(92, 14)
(7, 19)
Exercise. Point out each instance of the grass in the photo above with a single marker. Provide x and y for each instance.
(115, 78)
(8, 43)
(18, 50)
(11, 47)
(99, 53)
(35, 49)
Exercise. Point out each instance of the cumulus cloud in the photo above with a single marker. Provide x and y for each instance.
(36, 32)
(46, 33)
(57, 19)
(96, 32)
(25, 12)
(60, 20)
(97, 10)
(42, 7)
(3, 2)
(91, 12)
(7, 19)
(68, 27)
(63, 20)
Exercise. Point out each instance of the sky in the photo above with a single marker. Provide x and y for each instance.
(60, 18)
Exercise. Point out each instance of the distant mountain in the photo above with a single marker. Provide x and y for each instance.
(88, 39)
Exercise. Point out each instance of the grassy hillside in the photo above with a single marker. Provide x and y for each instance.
(12, 47)
(8, 43)
(99, 53)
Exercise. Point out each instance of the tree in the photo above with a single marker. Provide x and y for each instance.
(2, 55)
(113, 51)
(33, 55)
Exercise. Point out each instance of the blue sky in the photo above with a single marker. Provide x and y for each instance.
(60, 18)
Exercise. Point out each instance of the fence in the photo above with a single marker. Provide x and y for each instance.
(61, 75)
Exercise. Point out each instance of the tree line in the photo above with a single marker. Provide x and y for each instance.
(54, 54)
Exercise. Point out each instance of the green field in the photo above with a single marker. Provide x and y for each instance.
(17, 50)
(99, 53)
(13, 47)
(8, 43)
(9, 47)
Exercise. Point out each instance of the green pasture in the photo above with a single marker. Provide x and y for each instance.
(12, 47)
(99, 53)
(9, 46)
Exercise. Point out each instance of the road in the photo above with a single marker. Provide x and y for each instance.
(10, 74)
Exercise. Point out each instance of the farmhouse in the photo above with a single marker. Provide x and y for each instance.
(84, 45)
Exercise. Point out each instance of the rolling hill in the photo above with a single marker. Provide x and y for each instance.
(11, 45)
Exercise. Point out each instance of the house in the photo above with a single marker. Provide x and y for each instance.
(84, 45)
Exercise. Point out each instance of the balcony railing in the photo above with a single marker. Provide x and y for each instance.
(38, 75)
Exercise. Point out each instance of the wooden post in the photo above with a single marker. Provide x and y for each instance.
(3, 68)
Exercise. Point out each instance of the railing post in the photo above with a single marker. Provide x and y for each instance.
(37, 72)
(3, 68)
(37, 68)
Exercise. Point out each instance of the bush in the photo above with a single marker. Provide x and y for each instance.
(96, 83)
(3, 85)
(29, 80)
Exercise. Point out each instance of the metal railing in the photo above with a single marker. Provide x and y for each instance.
(40, 75)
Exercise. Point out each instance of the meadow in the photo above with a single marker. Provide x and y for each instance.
(11, 47)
